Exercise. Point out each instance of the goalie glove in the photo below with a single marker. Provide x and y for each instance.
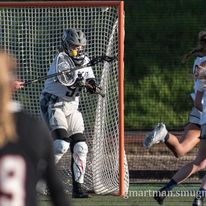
(91, 86)
(79, 81)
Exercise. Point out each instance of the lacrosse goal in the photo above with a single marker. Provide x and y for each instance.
(32, 31)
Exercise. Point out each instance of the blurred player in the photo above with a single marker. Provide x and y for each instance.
(191, 135)
(200, 161)
(199, 100)
(59, 104)
(26, 153)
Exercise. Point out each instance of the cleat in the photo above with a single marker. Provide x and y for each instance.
(80, 195)
(198, 201)
(160, 195)
(159, 199)
(78, 191)
(156, 136)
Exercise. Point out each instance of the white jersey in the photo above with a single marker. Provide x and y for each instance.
(68, 93)
(197, 83)
(198, 86)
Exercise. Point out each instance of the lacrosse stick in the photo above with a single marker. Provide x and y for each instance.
(92, 62)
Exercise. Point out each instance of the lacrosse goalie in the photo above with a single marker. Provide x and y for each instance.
(60, 100)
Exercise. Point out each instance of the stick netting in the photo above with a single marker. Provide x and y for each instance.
(33, 35)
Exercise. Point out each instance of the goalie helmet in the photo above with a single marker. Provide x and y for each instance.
(73, 43)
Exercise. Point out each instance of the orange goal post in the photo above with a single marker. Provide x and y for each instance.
(32, 31)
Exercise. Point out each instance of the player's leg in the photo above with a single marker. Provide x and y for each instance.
(61, 143)
(162, 193)
(201, 194)
(56, 121)
(190, 138)
(186, 143)
(186, 171)
(79, 150)
(58, 125)
(198, 164)
(178, 147)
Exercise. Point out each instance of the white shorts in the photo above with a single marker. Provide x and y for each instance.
(63, 115)
(195, 116)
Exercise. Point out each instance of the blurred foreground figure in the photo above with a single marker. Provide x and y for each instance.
(26, 153)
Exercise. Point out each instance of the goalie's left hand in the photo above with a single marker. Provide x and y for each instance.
(91, 86)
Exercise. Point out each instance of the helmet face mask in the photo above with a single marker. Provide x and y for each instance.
(73, 43)
(75, 50)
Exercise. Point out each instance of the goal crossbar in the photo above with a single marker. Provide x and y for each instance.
(61, 4)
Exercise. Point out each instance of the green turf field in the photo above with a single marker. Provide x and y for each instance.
(139, 195)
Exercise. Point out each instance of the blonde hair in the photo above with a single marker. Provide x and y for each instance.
(200, 49)
(7, 126)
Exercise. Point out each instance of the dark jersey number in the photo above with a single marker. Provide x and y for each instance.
(73, 92)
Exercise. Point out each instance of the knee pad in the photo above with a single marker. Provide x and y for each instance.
(75, 138)
(80, 151)
(60, 148)
(80, 148)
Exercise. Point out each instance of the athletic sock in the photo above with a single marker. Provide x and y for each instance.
(166, 137)
(170, 185)
(160, 195)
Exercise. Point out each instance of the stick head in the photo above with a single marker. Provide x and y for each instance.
(99, 59)
(63, 69)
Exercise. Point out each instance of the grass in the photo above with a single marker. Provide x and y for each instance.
(139, 195)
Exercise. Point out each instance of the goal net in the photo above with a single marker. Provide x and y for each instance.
(33, 33)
